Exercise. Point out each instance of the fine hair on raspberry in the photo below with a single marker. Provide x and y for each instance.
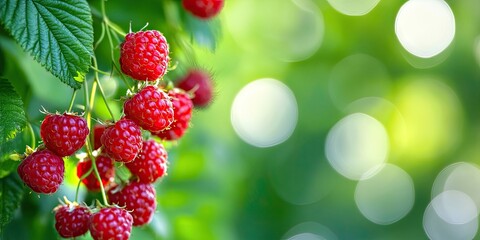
(123, 140)
(64, 134)
(144, 55)
(150, 108)
(151, 162)
(42, 171)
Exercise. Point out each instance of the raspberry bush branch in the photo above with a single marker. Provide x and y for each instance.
(153, 113)
(72, 100)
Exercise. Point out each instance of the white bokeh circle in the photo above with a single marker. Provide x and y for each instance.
(425, 28)
(357, 145)
(387, 196)
(354, 8)
(264, 113)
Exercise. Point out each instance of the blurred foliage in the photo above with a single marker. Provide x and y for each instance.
(219, 187)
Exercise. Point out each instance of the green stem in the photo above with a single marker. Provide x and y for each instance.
(32, 134)
(91, 103)
(122, 76)
(70, 106)
(85, 175)
(99, 71)
(100, 39)
(96, 79)
(88, 110)
(97, 174)
(109, 24)
(109, 36)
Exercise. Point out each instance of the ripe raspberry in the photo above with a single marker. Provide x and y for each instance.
(97, 134)
(64, 134)
(144, 55)
(71, 220)
(201, 83)
(150, 108)
(122, 141)
(42, 171)
(111, 223)
(203, 9)
(105, 167)
(151, 162)
(138, 198)
(182, 108)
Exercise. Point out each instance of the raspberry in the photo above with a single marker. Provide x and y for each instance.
(144, 55)
(97, 134)
(42, 171)
(138, 198)
(105, 167)
(122, 141)
(64, 134)
(151, 162)
(182, 108)
(150, 108)
(111, 223)
(203, 9)
(71, 220)
(201, 83)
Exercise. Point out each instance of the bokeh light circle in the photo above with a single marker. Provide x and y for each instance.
(389, 115)
(461, 176)
(357, 145)
(433, 117)
(353, 8)
(303, 182)
(425, 28)
(358, 76)
(290, 30)
(387, 196)
(455, 207)
(264, 113)
(306, 236)
(437, 228)
(309, 231)
(476, 49)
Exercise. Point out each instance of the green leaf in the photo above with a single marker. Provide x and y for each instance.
(12, 116)
(205, 33)
(59, 34)
(11, 194)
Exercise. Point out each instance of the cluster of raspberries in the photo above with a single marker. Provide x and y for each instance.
(164, 113)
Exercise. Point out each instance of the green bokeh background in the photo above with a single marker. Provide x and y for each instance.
(218, 186)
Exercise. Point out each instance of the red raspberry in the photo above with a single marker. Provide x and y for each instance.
(71, 220)
(105, 167)
(201, 84)
(64, 134)
(42, 171)
(151, 162)
(182, 108)
(144, 55)
(203, 9)
(123, 140)
(111, 223)
(150, 108)
(138, 198)
(97, 134)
